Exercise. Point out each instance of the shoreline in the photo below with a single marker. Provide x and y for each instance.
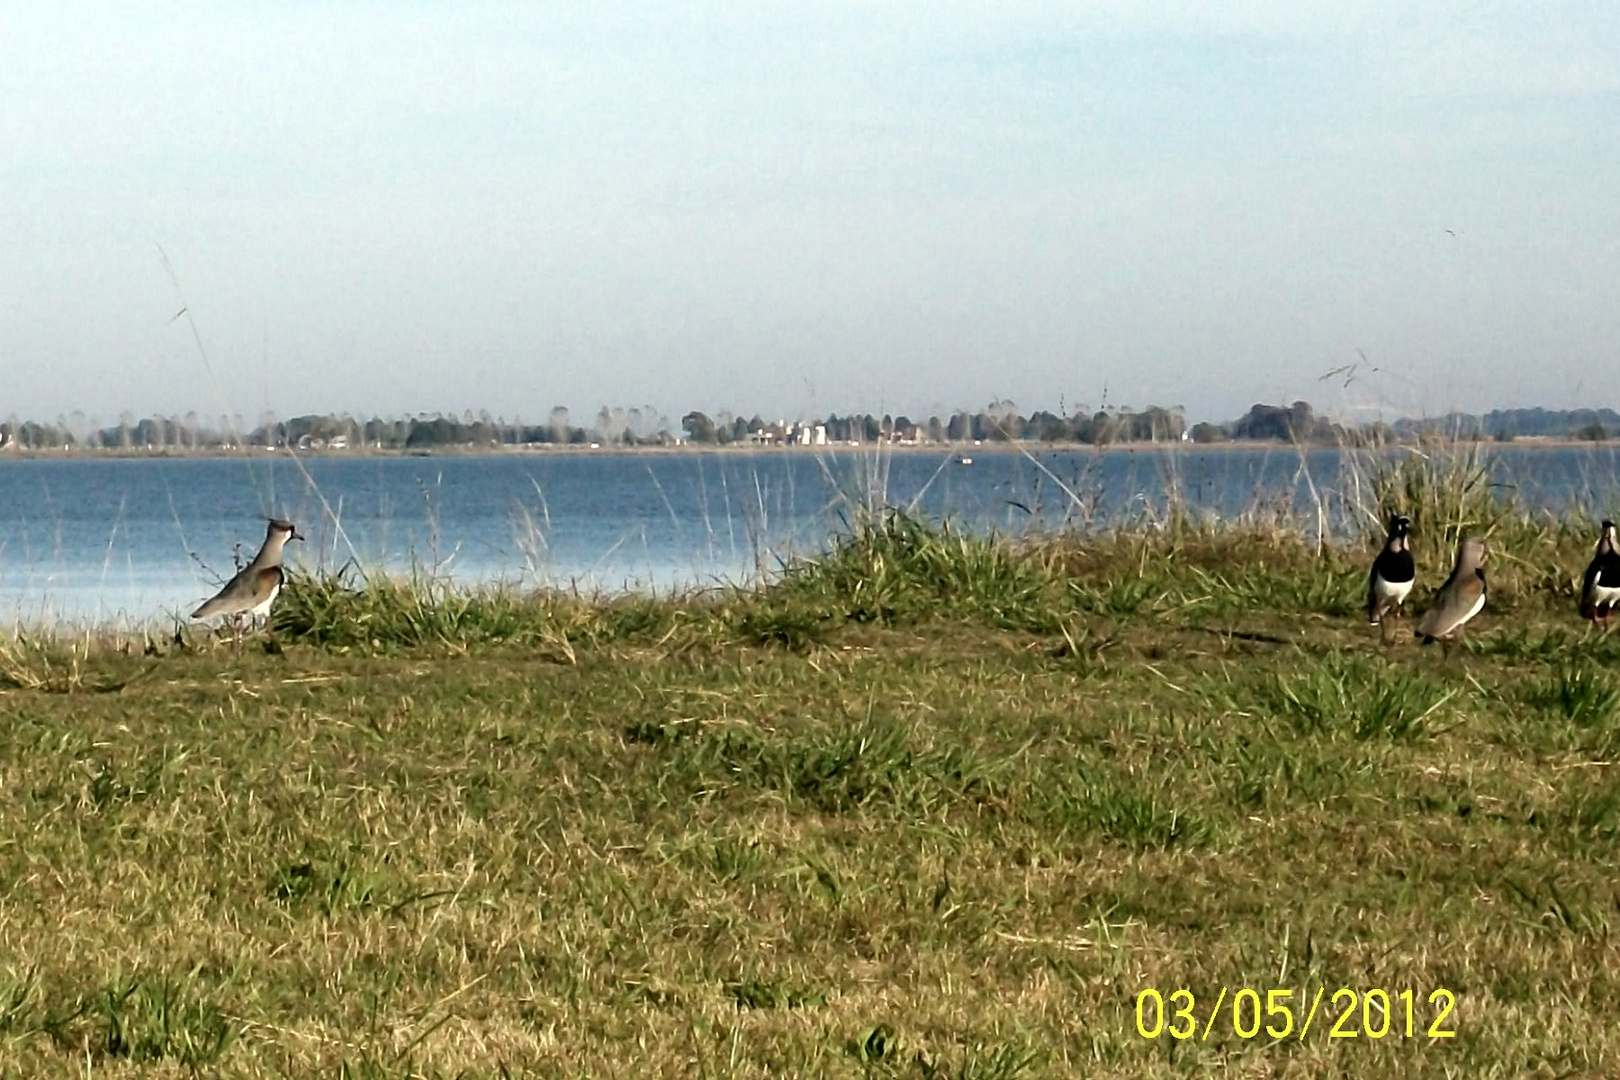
(968, 449)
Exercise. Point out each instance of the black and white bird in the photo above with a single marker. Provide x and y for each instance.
(1600, 589)
(1390, 582)
(1460, 598)
(256, 586)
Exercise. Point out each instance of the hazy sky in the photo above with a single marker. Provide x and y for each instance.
(802, 207)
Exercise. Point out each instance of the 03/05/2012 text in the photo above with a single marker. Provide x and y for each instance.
(1272, 1013)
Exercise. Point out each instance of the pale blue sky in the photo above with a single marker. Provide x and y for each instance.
(796, 208)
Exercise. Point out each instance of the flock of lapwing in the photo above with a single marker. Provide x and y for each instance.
(255, 587)
(1463, 594)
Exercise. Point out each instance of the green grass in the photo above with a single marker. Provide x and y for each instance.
(935, 806)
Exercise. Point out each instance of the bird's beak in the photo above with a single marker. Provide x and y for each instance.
(296, 535)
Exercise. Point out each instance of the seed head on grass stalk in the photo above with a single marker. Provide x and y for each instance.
(1444, 487)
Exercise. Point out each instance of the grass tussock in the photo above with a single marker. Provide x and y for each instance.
(32, 663)
(1356, 696)
(144, 1020)
(1581, 693)
(895, 568)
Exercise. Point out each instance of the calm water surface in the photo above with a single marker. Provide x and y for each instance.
(140, 539)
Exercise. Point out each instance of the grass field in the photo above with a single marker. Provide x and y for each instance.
(934, 807)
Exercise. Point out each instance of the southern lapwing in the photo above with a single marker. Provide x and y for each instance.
(256, 586)
(1460, 598)
(1392, 575)
(1600, 589)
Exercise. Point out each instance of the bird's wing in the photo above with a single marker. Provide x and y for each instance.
(1589, 587)
(1442, 599)
(1455, 607)
(220, 600)
(267, 580)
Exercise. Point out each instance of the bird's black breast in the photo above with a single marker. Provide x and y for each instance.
(1608, 571)
(1394, 567)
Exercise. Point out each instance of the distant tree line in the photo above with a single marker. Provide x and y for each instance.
(1504, 425)
(999, 421)
(634, 427)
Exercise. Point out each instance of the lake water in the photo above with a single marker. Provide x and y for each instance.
(140, 539)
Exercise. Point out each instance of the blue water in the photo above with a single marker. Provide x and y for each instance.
(141, 539)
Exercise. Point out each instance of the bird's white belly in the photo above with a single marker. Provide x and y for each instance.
(1601, 595)
(263, 607)
(1393, 591)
